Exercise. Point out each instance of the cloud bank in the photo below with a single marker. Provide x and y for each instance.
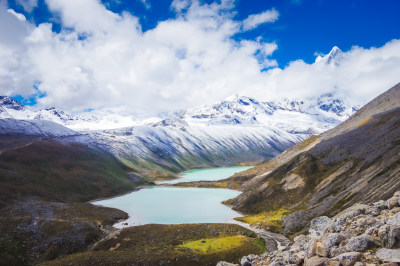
(101, 59)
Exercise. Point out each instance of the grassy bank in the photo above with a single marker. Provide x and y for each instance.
(185, 244)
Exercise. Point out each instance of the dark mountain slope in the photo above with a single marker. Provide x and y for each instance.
(41, 158)
(358, 161)
(46, 172)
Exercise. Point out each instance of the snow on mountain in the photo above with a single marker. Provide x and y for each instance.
(238, 129)
(330, 58)
(311, 116)
(96, 120)
(9, 126)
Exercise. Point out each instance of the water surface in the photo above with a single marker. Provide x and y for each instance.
(174, 205)
(208, 174)
(179, 205)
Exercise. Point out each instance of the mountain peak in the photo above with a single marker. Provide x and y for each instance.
(10, 103)
(331, 57)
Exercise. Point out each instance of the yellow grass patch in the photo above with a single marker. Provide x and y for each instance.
(270, 220)
(211, 245)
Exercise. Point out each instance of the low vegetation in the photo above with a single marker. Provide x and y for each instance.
(63, 172)
(33, 230)
(269, 221)
(185, 244)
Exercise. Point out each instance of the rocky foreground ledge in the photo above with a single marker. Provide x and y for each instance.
(360, 235)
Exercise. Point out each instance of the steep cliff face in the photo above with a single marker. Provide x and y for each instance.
(357, 161)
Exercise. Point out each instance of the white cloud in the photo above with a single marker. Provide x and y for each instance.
(253, 21)
(19, 16)
(102, 59)
(182, 62)
(360, 74)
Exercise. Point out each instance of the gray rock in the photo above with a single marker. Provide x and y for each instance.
(311, 247)
(359, 264)
(333, 263)
(331, 240)
(245, 261)
(348, 259)
(380, 205)
(315, 261)
(373, 229)
(392, 202)
(321, 250)
(277, 263)
(299, 238)
(336, 251)
(319, 225)
(248, 260)
(372, 210)
(394, 220)
(295, 259)
(353, 211)
(224, 263)
(299, 242)
(388, 255)
(389, 236)
(360, 243)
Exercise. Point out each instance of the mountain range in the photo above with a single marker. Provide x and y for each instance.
(237, 130)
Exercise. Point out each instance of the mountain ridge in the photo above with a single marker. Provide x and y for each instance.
(357, 161)
(237, 130)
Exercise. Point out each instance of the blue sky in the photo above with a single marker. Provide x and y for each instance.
(75, 54)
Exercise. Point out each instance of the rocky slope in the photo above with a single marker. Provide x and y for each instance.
(358, 161)
(360, 235)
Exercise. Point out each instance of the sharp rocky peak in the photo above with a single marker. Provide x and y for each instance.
(330, 58)
(10, 103)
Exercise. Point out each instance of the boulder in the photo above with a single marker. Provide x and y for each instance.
(333, 263)
(336, 251)
(224, 263)
(277, 263)
(315, 261)
(380, 205)
(373, 229)
(348, 259)
(319, 226)
(360, 243)
(321, 250)
(392, 202)
(299, 242)
(372, 210)
(311, 247)
(331, 240)
(394, 220)
(389, 236)
(396, 194)
(388, 255)
(248, 260)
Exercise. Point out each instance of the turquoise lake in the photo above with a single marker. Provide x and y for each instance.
(178, 205)
(209, 174)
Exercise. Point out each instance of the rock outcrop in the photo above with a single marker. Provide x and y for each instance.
(360, 235)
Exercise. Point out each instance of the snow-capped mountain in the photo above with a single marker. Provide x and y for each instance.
(311, 116)
(331, 58)
(238, 129)
(9, 126)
